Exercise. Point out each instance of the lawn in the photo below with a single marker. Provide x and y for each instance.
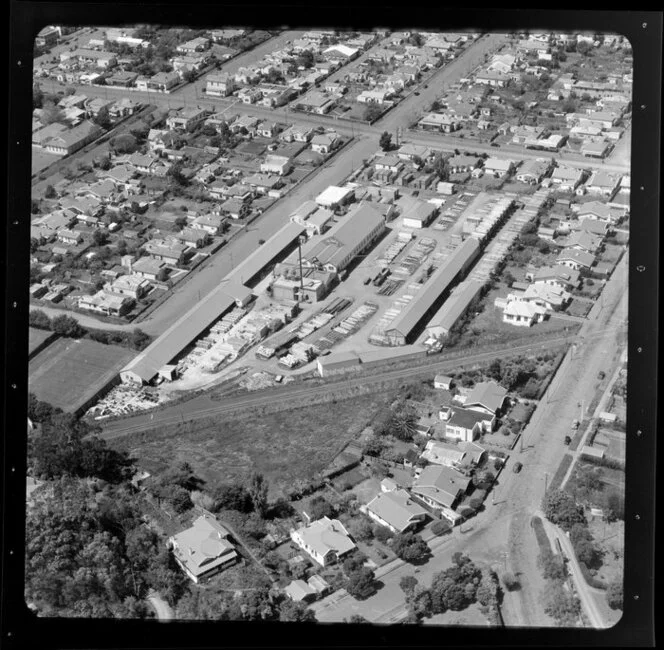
(69, 372)
(471, 616)
(37, 338)
(42, 159)
(284, 446)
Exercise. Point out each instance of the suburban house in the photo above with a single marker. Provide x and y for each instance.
(325, 540)
(299, 590)
(199, 44)
(170, 252)
(297, 134)
(133, 286)
(603, 183)
(149, 268)
(162, 81)
(487, 396)
(396, 510)
(377, 96)
(533, 171)
(567, 179)
(410, 151)
(556, 276)
(204, 549)
(462, 163)
(211, 223)
(109, 304)
(220, 84)
(187, 118)
(498, 167)
(441, 488)
(325, 142)
(522, 314)
(193, 237)
(71, 237)
(467, 424)
(276, 165)
(583, 240)
(596, 211)
(575, 259)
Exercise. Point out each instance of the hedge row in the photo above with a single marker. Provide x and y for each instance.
(540, 533)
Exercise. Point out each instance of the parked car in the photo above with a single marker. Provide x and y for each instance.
(517, 467)
(367, 280)
(416, 93)
(575, 424)
(568, 440)
(601, 374)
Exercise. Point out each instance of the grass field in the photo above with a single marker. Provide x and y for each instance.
(37, 337)
(42, 159)
(69, 372)
(283, 446)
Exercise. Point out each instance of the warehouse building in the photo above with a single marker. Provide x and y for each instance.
(360, 228)
(453, 308)
(231, 291)
(341, 362)
(407, 325)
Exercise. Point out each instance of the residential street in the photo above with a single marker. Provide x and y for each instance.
(501, 535)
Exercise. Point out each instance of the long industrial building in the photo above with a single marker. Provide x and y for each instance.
(232, 290)
(360, 228)
(453, 308)
(405, 327)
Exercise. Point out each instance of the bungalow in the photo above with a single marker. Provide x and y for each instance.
(267, 129)
(276, 165)
(462, 163)
(603, 183)
(187, 118)
(583, 240)
(594, 227)
(263, 183)
(162, 81)
(133, 286)
(220, 84)
(317, 102)
(143, 163)
(597, 149)
(533, 171)
(122, 108)
(193, 237)
(498, 167)
(488, 397)
(246, 123)
(575, 259)
(71, 237)
(566, 179)
(595, 211)
(438, 122)
(199, 44)
(441, 488)
(297, 134)
(106, 303)
(148, 267)
(396, 510)
(410, 151)
(211, 223)
(325, 540)
(523, 314)
(299, 590)
(325, 143)
(204, 549)
(250, 95)
(466, 424)
(495, 79)
(122, 79)
(169, 251)
(374, 96)
(235, 208)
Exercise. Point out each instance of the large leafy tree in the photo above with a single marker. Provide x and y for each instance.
(561, 508)
(410, 547)
(74, 567)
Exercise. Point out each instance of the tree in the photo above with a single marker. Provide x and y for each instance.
(125, 143)
(139, 340)
(408, 584)
(440, 527)
(232, 496)
(67, 326)
(189, 76)
(100, 237)
(614, 594)
(561, 605)
(403, 421)
(385, 141)
(552, 566)
(361, 529)
(615, 506)
(51, 113)
(510, 581)
(290, 611)
(50, 192)
(258, 490)
(37, 96)
(561, 508)
(39, 319)
(103, 119)
(583, 47)
(410, 547)
(361, 583)
(356, 618)
(382, 533)
(420, 603)
(176, 175)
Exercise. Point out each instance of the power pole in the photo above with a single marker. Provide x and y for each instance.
(546, 482)
(300, 241)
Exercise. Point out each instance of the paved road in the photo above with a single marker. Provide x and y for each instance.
(583, 589)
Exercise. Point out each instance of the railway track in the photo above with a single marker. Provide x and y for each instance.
(178, 413)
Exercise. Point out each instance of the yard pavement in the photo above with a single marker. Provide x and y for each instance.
(161, 607)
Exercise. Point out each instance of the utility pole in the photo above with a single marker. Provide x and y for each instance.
(300, 241)
(546, 482)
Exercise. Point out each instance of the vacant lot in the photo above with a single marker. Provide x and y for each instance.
(283, 446)
(69, 372)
